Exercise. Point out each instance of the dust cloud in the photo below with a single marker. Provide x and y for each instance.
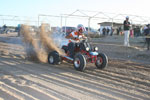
(38, 46)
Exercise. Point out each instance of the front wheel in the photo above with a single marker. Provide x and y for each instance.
(101, 61)
(79, 62)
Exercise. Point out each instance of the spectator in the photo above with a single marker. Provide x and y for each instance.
(112, 31)
(137, 31)
(132, 33)
(104, 31)
(117, 31)
(107, 31)
(4, 28)
(120, 30)
(147, 34)
(126, 31)
(19, 29)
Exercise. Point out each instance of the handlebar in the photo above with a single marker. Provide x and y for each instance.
(81, 40)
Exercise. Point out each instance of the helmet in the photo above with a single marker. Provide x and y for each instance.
(127, 17)
(81, 27)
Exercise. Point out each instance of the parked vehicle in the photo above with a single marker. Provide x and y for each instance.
(56, 29)
(3, 30)
(68, 29)
(91, 31)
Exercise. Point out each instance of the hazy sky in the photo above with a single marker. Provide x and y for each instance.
(57, 7)
(35, 7)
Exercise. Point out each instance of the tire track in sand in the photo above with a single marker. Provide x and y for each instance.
(38, 68)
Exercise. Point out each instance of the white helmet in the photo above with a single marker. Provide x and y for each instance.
(81, 27)
(127, 17)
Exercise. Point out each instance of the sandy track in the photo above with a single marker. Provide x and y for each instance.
(26, 80)
(21, 79)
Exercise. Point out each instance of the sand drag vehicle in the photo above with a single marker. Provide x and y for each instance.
(84, 53)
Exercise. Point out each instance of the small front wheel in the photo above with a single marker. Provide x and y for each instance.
(79, 62)
(101, 61)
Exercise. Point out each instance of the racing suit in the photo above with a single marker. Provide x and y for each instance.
(73, 39)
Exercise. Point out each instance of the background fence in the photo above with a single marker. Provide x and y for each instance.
(87, 18)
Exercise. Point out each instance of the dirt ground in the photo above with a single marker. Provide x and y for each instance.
(127, 76)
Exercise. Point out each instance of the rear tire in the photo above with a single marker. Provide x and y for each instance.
(101, 61)
(79, 62)
(54, 58)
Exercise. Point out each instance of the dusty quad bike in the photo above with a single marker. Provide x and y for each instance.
(83, 53)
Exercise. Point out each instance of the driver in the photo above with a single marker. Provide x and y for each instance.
(74, 37)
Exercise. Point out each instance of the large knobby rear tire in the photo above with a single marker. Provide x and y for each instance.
(101, 61)
(79, 62)
(54, 58)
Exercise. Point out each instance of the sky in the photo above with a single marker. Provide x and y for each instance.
(33, 8)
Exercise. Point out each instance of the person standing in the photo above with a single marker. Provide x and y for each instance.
(107, 30)
(4, 28)
(147, 34)
(104, 31)
(126, 25)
